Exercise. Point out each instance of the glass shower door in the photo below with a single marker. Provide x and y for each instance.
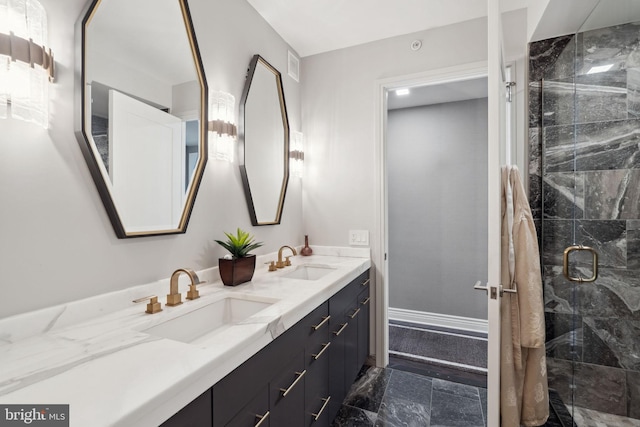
(589, 204)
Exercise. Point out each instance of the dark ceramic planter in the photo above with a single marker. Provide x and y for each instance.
(237, 270)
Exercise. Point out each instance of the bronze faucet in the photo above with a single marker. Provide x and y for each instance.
(174, 297)
(282, 264)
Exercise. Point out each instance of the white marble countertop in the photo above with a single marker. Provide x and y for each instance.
(94, 355)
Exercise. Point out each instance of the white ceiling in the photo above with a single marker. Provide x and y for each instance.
(439, 93)
(316, 26)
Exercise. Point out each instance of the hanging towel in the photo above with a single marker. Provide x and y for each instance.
(524, 397)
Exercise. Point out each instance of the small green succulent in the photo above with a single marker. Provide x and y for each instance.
(239, 245)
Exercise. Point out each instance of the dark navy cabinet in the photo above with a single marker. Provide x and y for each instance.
(298, 380)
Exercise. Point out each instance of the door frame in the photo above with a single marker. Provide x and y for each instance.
(380, 248)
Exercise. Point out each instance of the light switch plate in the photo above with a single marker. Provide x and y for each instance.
(359, 237)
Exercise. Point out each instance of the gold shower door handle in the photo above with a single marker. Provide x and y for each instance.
(565, 264)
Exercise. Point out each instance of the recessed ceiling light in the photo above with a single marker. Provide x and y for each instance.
(600, 69)
(401, 92)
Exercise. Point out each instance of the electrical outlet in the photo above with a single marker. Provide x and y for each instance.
(359, 237)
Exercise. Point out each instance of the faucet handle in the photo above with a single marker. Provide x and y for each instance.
(287, 261)
(193, 293)
(272, 265)
(153, 307)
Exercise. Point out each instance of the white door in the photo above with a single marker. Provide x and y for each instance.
(146, 164)
(496, 158)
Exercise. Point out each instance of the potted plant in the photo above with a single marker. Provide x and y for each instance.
(240, 266)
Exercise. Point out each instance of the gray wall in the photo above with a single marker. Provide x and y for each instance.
(437, 195)
(56, 241)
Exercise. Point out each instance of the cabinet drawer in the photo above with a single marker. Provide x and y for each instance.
(286, 394)
(317, 397)
(254, 413)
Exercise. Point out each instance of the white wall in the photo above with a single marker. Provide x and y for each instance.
(437, 168)
(56, 241)
(338, 116)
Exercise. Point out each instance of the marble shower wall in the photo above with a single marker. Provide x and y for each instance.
(584, 149)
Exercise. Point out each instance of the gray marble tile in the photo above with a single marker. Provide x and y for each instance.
(608, 238)
(594, 146)
(563, 195)
(403, 413)
(615, 294)
(633, 245)
(368, 390)
(564, 336)
(616, 45)
(551, 58)
(483, 403)
(462, 390)
(455, 410)
(612, 342)
(633, 388)
(408, 386)
(535, 103)
(601, 388)
(612, 194)
(349, 416)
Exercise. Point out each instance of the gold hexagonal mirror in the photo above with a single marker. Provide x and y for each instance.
(264, 143)
(142, 120)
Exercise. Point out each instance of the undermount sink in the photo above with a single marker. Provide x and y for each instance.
(309, 272)
(211, 319)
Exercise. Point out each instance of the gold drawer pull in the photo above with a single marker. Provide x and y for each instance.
(344, 325)
(324, 347)
(319, 325)
(366, 282)
(262, 419)
(365, 302)
(355, 313)
(286, 391)
(316, 417)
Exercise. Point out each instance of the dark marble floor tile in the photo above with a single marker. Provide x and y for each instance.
(455, 410)
(461, 390)
(369, 388)
(483, 403)
(349, 416)
(403, 413)
(407, 386)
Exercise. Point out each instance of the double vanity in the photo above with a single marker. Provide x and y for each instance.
(281, 350)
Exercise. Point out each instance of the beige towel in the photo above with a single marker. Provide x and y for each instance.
(523, 375)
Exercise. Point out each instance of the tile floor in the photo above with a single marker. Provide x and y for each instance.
(390, 397)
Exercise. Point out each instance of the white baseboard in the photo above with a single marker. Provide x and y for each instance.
(439, 320)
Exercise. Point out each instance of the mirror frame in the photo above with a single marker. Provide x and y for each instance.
(86, 140)
(242, 143)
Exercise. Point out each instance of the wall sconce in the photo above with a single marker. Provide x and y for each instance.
(296, 153)
(222, 127)
(26, 65)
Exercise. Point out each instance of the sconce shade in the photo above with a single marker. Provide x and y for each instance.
(222, 125)
(296, 153)
(26, 65)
